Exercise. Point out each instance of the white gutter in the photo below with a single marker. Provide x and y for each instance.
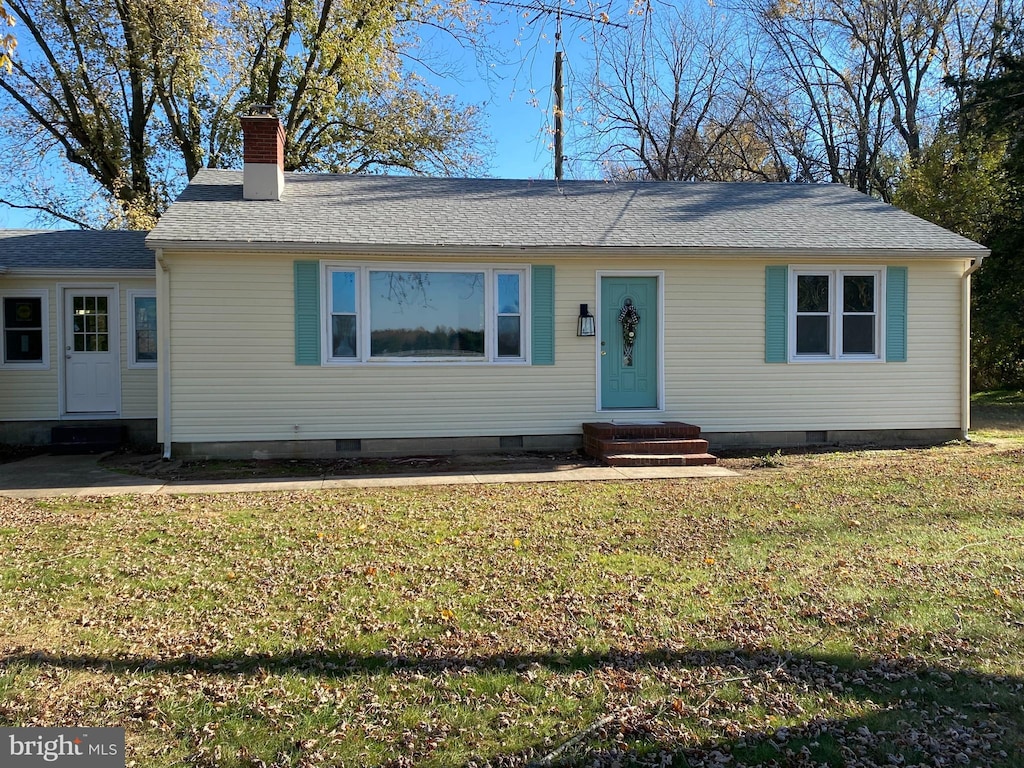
(163, 332)
(965, 346)
(78, 272)
(585, 251)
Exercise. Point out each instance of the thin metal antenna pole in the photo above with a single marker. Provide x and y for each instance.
(559, 152)
(559, 95)
(541, 8)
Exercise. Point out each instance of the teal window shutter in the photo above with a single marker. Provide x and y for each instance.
(776, 322)
(307, 313)
(896, 315)
(543, 307)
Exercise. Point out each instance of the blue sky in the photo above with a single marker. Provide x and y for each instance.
(516, 96)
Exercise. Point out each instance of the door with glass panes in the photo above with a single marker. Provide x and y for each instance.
(92, 379)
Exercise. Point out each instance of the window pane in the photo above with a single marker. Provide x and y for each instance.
(427, 314)
(812, 335)
(343, 336)
(508, 295)
(23, 313)
(858, 334)
(144, 310)
(145, 313)
(812, 293)
(859, 293)
(23, 346)
(145, 346)
(343, 292)
(508, 336)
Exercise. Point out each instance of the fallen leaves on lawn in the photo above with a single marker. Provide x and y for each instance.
(632, 624)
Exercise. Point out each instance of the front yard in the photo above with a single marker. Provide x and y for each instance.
(861, 608)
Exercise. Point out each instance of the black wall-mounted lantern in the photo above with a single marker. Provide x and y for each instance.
(585, 326)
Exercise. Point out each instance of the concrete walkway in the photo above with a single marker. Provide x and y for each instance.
(45, 476)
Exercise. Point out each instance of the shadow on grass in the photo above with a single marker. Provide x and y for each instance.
(739, 707)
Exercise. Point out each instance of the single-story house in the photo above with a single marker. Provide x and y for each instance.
(79, 334)
(317, 315)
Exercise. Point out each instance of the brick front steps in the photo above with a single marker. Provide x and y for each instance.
(654, 444)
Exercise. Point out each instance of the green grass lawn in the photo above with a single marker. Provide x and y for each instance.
(842, 608)
(999, 413)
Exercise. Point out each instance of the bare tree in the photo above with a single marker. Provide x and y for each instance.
(870, 73)
(825, 99)
(841, 91)
(673, 101)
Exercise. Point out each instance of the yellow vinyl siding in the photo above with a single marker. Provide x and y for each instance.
(138, 385)
(234, 376)
(29, 395)
(720, 379)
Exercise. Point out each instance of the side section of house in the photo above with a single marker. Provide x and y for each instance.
(78, 345)
(302, 354)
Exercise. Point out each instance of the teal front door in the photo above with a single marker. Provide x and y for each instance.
(629, 364)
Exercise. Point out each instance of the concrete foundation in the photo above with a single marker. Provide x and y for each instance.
(140, 432)
(447, 446)
(379, 447)
(887, 438)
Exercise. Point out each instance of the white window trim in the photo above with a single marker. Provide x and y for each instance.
(836, 275)
(44, 309)
(133, 362)
(362, 271)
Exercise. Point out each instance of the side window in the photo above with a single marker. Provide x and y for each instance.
(142, 335)
(813, 314)
(509, 308)
(860, 315)
(835, 314)
(24, 331)
(344, 317)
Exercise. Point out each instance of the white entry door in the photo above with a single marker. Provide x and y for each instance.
(92, 373)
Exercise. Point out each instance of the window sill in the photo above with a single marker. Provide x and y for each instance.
(446, 362)
(24, 366)
(846, 359)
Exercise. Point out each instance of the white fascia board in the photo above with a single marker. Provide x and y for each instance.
(587, 252)
(80, 272)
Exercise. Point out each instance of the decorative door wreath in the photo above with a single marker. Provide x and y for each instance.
(630, 319)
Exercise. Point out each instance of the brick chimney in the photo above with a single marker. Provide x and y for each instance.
(263, 155)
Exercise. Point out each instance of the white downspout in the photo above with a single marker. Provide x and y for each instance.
(163, 325)
(965, 347)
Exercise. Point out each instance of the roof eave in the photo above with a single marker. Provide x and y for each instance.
(572, 251)
(96, 272)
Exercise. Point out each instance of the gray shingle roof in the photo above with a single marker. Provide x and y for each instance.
(391, 212)
(22, 249)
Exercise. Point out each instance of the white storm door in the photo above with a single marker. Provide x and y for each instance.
(92, 375)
